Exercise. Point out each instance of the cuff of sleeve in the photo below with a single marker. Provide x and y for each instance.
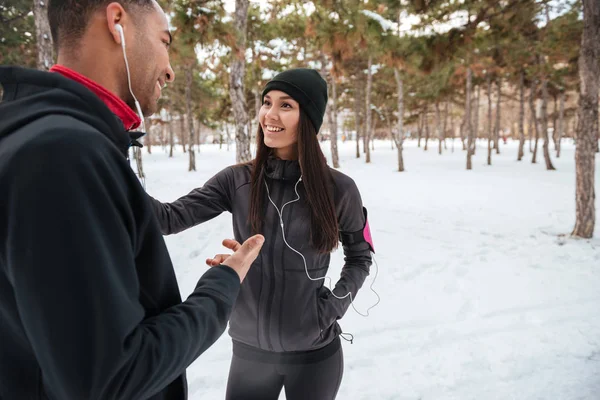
(228, 270)
(222, 280)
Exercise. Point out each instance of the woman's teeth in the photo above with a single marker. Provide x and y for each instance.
(274, 129)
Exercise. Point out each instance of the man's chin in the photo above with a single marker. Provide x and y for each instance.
(146, 111)
(149, 111)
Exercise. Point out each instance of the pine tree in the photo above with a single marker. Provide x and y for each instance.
(587, 129)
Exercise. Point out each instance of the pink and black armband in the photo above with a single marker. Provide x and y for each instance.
(363, 235)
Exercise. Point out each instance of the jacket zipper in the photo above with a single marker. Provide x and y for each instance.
(271, 295)
(287, 229)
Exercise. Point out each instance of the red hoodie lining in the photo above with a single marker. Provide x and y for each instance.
(129, 118)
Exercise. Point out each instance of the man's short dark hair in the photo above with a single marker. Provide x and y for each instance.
(68, 19)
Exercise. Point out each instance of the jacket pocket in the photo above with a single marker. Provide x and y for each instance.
(319, 312)
(325, 310)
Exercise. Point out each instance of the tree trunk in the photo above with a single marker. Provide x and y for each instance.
(444, 129)
(182, 137)
(561, 123)
(164, 135)
(438, 126)
(345, 134)
(420, 124)
(497, 128)
(452, 127)
(334, 128)
(490, 130)
(534, 122)
(530, 132)
(171, 135)
(476, 118)
(189, 76)
(236, 83)
(372, 135)
(544, 123)
(198, 135)
(137, 155)
(368, 115)
(388, 120)
(257, 105)
(521, 115)
(555, 122)
(332, 115)
(400, 134)
(463, 130)
(228, 132)
(391, 129)
(45, 48)
(587, 127)
(468, 128)
(148, 136)
(365, 128)
(426, 122)
(357, 117)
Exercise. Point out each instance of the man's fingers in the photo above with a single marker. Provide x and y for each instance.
(244, 255)
(231, 244)
(221, 257)
(259, 240)
(253, 245)
(217, 260)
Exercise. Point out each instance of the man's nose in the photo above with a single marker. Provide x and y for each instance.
(170, 76)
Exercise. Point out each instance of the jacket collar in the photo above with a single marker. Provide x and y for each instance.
(285, 170)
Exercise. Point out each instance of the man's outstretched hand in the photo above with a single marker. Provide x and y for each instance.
(243, 256)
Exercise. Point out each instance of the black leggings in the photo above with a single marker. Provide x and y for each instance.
(255, 380)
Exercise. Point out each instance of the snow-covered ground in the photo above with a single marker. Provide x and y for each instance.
(483, 298)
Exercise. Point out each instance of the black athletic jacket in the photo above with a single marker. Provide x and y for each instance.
(89, 303)
(279, 309)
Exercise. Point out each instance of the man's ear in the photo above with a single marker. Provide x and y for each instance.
(115, 14)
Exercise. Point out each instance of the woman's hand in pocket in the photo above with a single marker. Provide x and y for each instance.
(327, 313)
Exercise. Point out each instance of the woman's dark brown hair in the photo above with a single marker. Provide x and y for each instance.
(317, 180)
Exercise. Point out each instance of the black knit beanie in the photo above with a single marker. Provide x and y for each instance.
(307, 87)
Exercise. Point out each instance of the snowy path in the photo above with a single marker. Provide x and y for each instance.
(481, 297)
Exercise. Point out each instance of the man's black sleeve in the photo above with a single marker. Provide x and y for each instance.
(72, 267)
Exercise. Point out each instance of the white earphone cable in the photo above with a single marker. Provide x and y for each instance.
(137, 103)
(325, 278)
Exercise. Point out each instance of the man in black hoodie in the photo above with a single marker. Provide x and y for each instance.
(89, 303)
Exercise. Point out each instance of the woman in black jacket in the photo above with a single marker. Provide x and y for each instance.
(284, 323)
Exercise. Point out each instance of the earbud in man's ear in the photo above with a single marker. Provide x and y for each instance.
(119, 28)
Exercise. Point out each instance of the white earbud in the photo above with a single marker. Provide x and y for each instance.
(119, 28)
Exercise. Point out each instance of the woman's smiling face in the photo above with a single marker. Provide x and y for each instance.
(279, 117)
